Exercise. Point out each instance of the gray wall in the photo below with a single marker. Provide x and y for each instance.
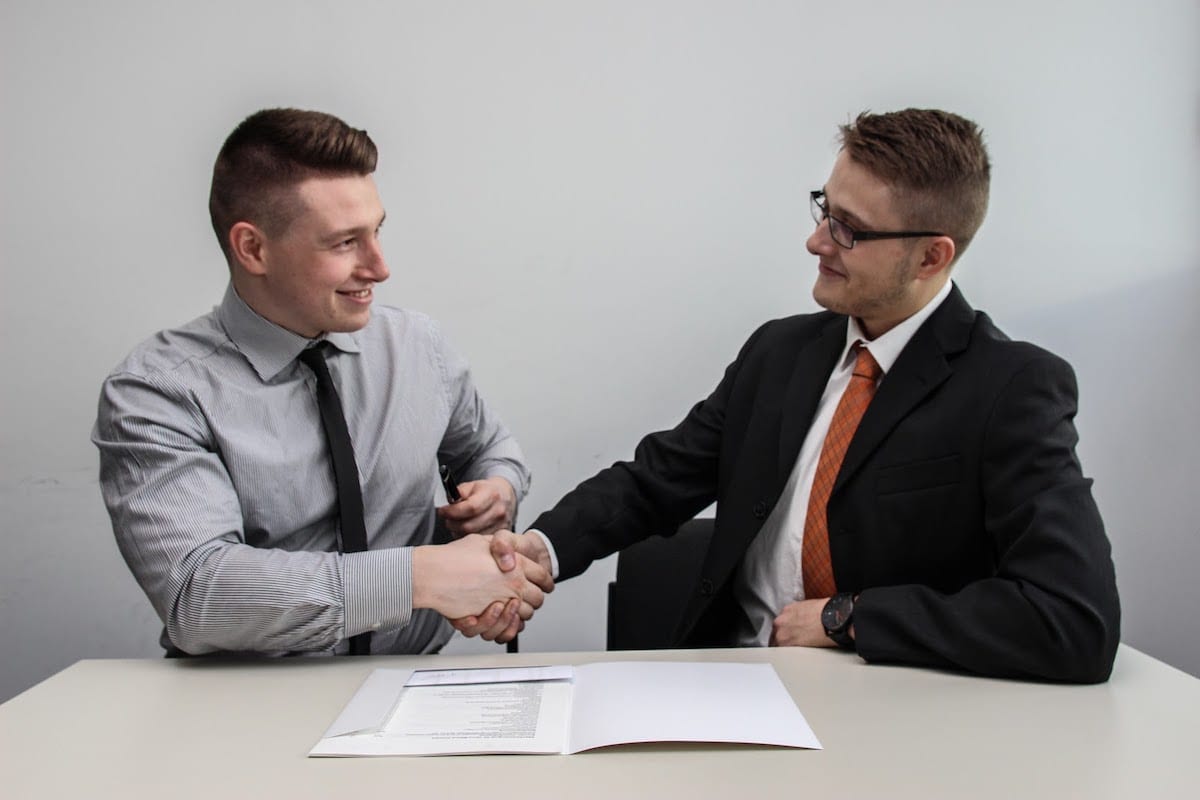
(599, 200)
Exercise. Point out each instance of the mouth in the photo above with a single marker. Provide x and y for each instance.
(357, 294)
(827, 270)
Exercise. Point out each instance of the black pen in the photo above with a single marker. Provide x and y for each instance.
(449, 484)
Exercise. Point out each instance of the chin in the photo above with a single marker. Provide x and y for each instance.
(350, 325)
(829, 301)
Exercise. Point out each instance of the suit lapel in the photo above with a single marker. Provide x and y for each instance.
(921, 368)
(807, 383)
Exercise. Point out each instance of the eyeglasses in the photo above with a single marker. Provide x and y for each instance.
(844, 235)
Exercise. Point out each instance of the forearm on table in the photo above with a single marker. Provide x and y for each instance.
(241, 598)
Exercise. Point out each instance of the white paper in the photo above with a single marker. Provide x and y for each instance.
(669, 701)
(445, 677)
(370, 706)
(512, 717)
(453, 712)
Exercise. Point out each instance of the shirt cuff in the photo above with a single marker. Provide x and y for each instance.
(549, 549)
(377, 589)
(520, 489)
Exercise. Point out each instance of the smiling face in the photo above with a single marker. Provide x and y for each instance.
(317, 275)
(881, 282)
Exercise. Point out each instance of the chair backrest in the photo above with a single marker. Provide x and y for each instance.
(655, 579)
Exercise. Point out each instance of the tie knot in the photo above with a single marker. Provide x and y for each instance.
(865, 365)
(314, 357)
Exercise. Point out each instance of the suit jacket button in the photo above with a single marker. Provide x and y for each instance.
(706, 587)
(760, 509)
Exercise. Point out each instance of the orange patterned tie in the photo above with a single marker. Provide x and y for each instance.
(815, 565)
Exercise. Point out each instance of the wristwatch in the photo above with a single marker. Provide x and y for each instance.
(837, 616)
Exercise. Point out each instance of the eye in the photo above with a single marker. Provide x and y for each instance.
(345, 244)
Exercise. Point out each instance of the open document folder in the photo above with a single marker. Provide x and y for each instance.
(565, 709)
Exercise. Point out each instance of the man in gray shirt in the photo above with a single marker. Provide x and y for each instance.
(214, 464)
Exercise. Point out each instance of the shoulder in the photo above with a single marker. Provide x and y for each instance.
(991, 348)
(973, 344)
(173, 354)
(162, 381)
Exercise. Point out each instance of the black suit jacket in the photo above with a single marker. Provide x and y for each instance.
(960, 513)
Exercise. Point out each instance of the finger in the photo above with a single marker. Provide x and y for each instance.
(460, 528)
(504, 622)
(488, 520)
(512, 631)
(481, 525)
(525, 611)
(533, 547)
(460, 511)
(530, 593)
(492, 615)
(536, 574)
(491, 633)
(477, 625)
(499, 524)
(504, 550)
(473, 503)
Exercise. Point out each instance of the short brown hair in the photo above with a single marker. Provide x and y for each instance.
(268, 154)
(936, 163)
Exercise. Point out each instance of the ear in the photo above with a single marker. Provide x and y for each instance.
(248, 245)
(937, 257)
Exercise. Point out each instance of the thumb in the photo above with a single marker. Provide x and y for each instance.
(504, 550)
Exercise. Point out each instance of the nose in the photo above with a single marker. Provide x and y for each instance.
(373, 264)
(820, 242)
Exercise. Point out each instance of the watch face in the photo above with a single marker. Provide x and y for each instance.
(837, 611)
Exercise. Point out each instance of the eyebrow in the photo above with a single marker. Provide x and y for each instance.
(338, 235)
(844, 214)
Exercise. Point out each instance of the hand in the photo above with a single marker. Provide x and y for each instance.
(532, 547)
(501, 622)
(799, 625)
(462, 577)
(486, 506)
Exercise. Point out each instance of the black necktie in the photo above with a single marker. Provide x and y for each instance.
(345, 472)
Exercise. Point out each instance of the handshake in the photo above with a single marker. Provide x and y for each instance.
(504, 574)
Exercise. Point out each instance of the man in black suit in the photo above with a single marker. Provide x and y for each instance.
(959, 527)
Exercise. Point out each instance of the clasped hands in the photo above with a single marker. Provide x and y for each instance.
(489, 581)
(481, 572)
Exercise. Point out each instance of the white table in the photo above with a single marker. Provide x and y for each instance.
(198, 728)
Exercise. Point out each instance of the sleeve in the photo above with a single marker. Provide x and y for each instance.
(476, 444)
(1050, 611)
(178, 523)
(674, 475)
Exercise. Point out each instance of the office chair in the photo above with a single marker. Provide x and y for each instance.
(655, 578)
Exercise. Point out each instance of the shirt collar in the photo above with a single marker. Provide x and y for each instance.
(887, 347)
(267, 346)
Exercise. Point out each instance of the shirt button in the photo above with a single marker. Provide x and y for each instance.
(706, 587)
(760, 509)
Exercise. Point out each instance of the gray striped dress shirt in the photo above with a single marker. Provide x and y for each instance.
(216, 474)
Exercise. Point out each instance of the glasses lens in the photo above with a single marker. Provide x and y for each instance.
(838, 230)
(841, 233)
